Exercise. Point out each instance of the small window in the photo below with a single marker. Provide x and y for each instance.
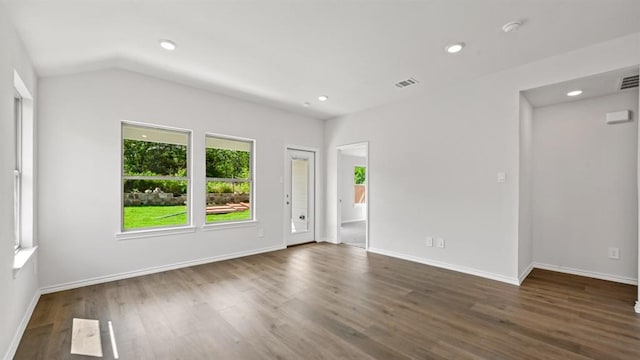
(17, 172)
(155, 177)
(229, 166)
(359, 187)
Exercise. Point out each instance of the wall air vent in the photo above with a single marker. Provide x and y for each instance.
(629, 82)
(405, 83)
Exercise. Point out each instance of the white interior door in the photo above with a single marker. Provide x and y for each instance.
(300, 196)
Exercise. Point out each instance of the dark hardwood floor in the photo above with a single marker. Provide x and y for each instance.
(325, 301)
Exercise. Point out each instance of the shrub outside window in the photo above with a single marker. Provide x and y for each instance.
(155, 177)
(229, 185)
(359, 187)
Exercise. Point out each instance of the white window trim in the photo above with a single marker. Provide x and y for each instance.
(157, 230)
(17, 172)
(154, 232)
(252, 221)
(21, 259)
(25, 177)
(229, 225)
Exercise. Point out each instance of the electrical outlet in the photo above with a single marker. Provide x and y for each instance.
(260, 232)
(440, 242)
(614, 253)
(429, 241)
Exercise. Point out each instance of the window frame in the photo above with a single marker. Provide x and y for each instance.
(17, 171)
(250, 180)
(169, 229)
(364, 184)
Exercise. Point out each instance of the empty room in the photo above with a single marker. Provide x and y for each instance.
(319, 179)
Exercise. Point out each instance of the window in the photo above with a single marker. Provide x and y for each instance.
(155, 177)
(359, 187)
(229, 166)
(17, 172)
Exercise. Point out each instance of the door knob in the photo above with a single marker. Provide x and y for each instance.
(302, 217)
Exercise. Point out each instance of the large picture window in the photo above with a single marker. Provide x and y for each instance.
(17, 172)
(229, 166)
(155, 177)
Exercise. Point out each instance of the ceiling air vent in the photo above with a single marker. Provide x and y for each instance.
(412, 81)
(629, 82)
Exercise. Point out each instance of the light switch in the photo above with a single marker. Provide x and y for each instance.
(614, 253)
(502, 177)
(429, 241)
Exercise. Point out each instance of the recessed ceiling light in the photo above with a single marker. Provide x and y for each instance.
(307, 104)
(454, 48)
(574, 93)
(167, 44)
(323, 98)
(511, 26)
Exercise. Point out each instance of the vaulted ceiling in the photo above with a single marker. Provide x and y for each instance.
(287, 52)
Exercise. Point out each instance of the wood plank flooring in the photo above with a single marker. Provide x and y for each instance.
(324, 301)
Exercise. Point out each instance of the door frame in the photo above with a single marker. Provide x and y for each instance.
(286, 225)
(339, 149)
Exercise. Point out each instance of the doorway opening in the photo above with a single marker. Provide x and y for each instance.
(353, 195)
(300, 194)
(579, 177)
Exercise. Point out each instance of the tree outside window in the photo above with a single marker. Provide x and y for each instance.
(229, 179)
(360, 179)
(155, 177)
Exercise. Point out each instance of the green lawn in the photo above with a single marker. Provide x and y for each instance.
(138, 217)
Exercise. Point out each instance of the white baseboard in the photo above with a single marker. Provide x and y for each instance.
(440, 264)
(525, 273)
(637, 307)
(331, 241)
(156, 269)
(22, 327)
(591, 274)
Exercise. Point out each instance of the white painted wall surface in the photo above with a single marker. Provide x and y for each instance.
(525, 203)
(80, 154)
(585, 186)
(451, 142)
(15, 294)
(349, 210)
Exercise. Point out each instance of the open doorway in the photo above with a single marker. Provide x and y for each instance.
(579, 177)
(353, 194)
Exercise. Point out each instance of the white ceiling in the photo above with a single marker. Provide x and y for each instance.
(287, 52)
(592, 86)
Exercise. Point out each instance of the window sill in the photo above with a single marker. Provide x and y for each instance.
(21, 259)
(139, 234)
(229, 225)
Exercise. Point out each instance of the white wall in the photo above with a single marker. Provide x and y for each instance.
(447, 146)
(80, 154)
(16, 295)
(349, 211)
(525, 212)
(585, 186)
